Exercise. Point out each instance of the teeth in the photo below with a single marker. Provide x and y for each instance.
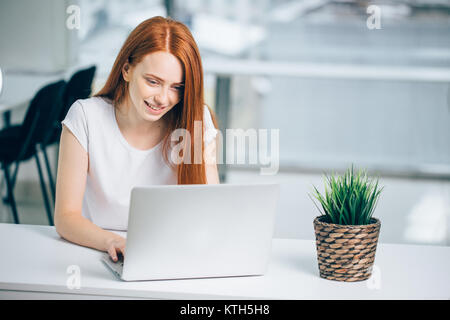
(152, 107)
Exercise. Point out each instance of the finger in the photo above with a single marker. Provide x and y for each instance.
(112, 253)
(120, 252)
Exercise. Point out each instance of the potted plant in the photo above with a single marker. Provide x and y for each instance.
(346, 233)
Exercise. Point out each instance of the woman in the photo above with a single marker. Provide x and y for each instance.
(122, 136)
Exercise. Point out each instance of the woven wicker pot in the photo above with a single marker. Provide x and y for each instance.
(346, 252)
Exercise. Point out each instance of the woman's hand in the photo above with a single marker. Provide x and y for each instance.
(115, 246)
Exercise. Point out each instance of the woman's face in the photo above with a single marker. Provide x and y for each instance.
(155, 85)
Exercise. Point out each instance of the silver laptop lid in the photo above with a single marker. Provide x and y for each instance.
(197, 231)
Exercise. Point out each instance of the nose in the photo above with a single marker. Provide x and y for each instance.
(163, 97)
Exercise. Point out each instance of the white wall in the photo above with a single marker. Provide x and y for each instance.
(34, 36)
(414, 211)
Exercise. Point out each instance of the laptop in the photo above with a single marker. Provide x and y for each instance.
(198, 231)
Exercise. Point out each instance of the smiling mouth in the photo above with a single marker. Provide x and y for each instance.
(152, 107)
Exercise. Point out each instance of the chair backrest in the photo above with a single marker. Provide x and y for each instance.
(78, 87)
(1, 81)
(41, 114)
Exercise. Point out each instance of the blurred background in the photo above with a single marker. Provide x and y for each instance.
(345, 82)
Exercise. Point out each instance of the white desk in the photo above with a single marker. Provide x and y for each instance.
(34, 263)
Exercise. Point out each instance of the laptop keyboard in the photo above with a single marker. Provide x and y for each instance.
(116, 267)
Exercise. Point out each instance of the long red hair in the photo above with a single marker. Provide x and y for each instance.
(165, 34)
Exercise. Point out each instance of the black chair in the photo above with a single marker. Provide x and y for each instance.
(19, 143)
(78, 87)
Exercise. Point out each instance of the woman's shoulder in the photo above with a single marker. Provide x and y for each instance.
(210, 128)
(95, 102)
(207, 113)
(93, 106)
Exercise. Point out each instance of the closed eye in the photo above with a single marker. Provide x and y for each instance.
(151, 81)
(155, 82)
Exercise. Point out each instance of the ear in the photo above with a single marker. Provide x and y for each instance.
(126, 73)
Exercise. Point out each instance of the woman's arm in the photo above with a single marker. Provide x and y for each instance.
(70, 187)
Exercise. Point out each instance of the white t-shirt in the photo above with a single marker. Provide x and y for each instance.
(115, 166)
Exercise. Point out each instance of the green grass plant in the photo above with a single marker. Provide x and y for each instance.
(349, 199)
